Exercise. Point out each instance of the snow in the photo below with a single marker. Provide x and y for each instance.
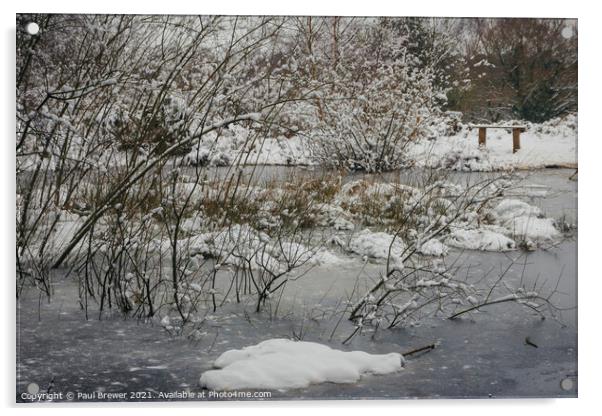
(508, 209)
(553, 143)
(480, 239)
(535, 229)
(239, 242)
(343, 224)
(512, 218)
(281, 151)
(312, 256)
(433, 247)
(237, 144)
(546, 144)
(524, 221)
(375, 244)
(286, 364)
(335, 216)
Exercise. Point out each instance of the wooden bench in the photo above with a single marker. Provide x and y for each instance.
(516, 131)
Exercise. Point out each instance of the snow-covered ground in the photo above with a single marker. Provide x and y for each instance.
(549, 144)
(553, 143)
(285, 364)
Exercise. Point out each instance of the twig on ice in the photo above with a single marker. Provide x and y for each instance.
(429, 347)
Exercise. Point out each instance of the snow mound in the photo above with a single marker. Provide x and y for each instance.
(433, 247)
(524, 221)
(316, 256)
(336, 217)
(375, 244)
(467, 160)
(238, 243)
(480, 239)
(285, 364)
(508, 209)
(535, 229)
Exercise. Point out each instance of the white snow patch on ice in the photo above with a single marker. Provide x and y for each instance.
(533, 228)
(524, 221)
(375, 244)
(285, 364)
(433, 247)
(508, 209)
(232, 245)
(480, 239)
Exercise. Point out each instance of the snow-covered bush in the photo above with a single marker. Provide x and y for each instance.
(163, 128)
(412, 287)
(380, 100)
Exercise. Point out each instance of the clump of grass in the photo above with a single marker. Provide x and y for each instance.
(136, 202)
(298, 202)
(233, 210)
(293, 203)
(374, 203)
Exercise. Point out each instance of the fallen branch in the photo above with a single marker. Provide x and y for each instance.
(429, 347)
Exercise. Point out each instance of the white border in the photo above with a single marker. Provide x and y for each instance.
(456, 8)
(590, 154)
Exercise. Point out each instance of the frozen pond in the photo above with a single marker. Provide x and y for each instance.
(482, 355)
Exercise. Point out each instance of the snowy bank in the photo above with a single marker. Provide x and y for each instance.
(553, 143)
(512, 221)
(285, 364)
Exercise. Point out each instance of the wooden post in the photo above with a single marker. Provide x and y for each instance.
(482, 136)
(516, 139)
